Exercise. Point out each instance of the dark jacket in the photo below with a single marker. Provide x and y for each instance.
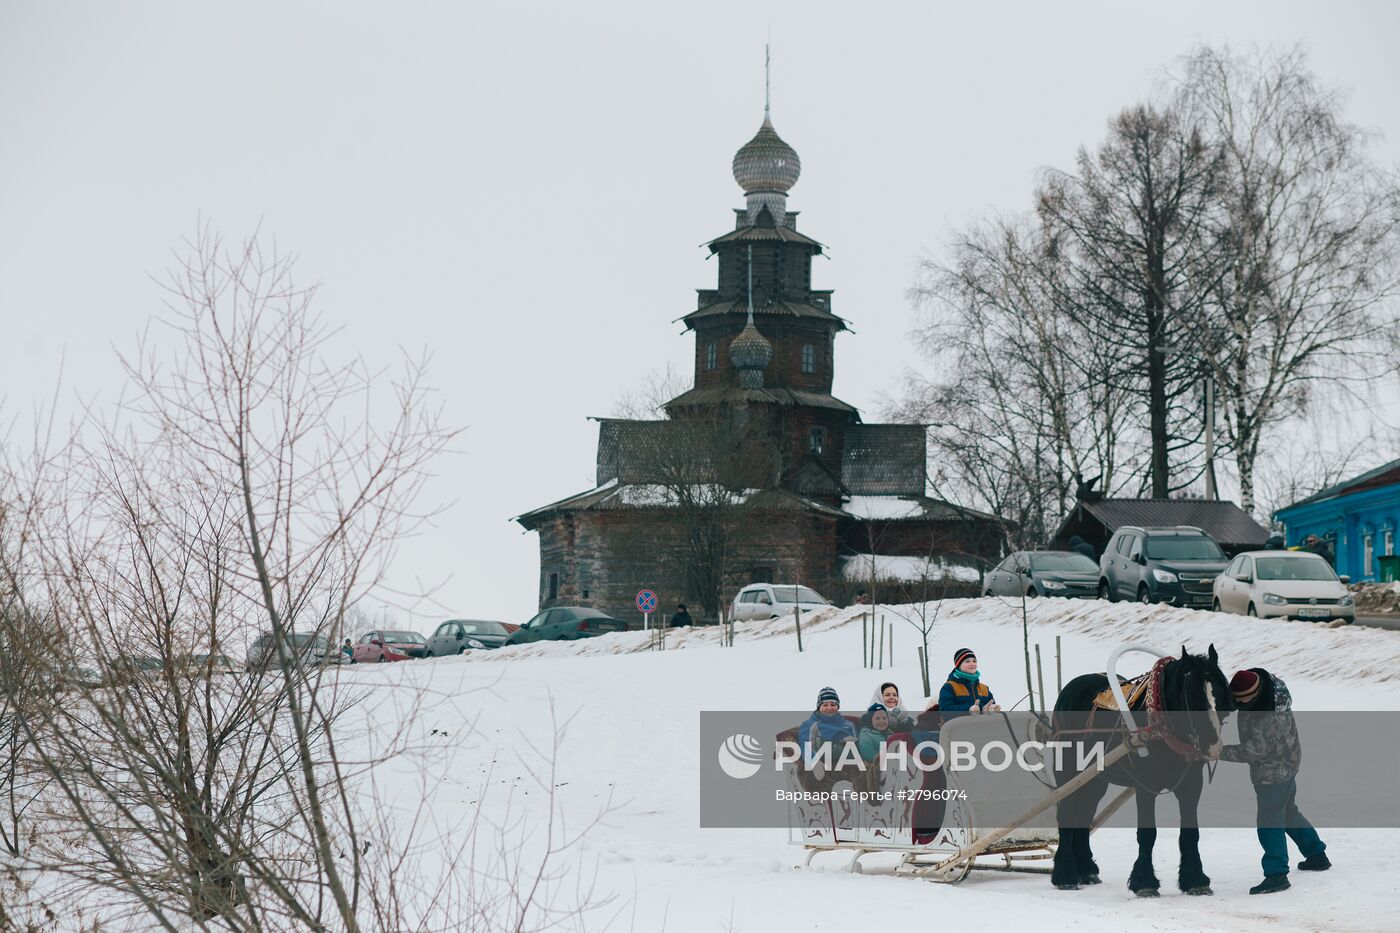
(681, 618)
(1323, 550)
(956, 696)
(1268, 735)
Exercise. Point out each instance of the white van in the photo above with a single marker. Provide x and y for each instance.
(770, 600)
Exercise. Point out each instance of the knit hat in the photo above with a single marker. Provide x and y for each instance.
(878, 708)
(1244, 687)
(961, 655)
(828, 693)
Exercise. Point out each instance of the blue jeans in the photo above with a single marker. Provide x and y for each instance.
(1279, 820)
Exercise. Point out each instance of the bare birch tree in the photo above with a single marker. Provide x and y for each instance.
(1310, 228)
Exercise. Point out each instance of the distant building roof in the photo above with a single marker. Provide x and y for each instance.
(776, 395)
(615, 495)
(909, 508)
(885, 459)
(754, 233)
(1227, 523)
(1384, 475)
(776, 308)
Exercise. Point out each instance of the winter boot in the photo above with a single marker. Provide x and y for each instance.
(1270, 884)
(1318, 862)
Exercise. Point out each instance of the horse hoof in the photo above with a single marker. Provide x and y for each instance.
(1146, 892)
(1067, 887)
(1200, 891)
(1092, 879)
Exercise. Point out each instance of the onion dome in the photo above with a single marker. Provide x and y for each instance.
(750, 352)
(766, 168)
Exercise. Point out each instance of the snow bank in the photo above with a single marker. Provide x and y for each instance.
(883, 507)
(856, 568)
(1307, 649)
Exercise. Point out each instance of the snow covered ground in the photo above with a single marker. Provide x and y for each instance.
(481, 723)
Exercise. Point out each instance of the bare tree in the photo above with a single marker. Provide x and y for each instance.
(1143, 261)
(249, 488)
(1030, 399)
(1310, 229)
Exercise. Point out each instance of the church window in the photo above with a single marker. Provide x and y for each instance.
(711, 355)
(809, 358)
(554, 586)
(759, 575)
(816, 440)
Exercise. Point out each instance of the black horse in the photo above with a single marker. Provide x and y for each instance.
(1194, 695)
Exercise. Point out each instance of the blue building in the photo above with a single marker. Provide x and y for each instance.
(1358, 518)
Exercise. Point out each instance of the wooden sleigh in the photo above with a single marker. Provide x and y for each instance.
(942, 841)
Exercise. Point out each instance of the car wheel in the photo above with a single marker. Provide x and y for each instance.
(382, 659)
(1143, 595)
(353, 661)
(1104, 591)
(1251, 611)
(1215, 605)
(986, 593)
(1031, 592)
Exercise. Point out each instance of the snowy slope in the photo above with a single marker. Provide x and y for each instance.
(634, 735)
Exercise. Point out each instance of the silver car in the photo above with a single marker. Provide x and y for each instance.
(770, 600)
(313, 650)
(1043, 573)
(1283, 584)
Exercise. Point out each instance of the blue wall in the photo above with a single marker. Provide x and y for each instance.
(1349, 519)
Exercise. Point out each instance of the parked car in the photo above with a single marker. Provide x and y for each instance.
(770, 600)
(1283, 584)
(383, 645)
(1176, 565)
(213, 663)
(1043, 573)
(566, 623)
(458, 635)
(313, 649)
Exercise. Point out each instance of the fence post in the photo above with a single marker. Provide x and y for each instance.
(1059, 679)
(797, 621)
(891, 642)
(864, 641)
(1039, 677)
(881, 654)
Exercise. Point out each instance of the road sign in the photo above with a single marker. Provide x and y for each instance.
(646, 601)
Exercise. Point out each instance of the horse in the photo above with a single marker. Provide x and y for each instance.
(1194, 689)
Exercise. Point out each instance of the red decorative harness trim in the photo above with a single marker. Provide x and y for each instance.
(1157, 727)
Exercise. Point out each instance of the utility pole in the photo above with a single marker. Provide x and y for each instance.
(1210, 437)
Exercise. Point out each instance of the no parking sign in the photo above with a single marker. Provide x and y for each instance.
(646, 604)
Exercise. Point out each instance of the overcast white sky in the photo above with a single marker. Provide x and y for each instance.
(523, 190)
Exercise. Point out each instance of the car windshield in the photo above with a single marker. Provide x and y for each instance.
(1066, 561)
(484, 628)
(302, 641)
(1293, 568)
(1183, 547)
(403, 638)
(797, 594)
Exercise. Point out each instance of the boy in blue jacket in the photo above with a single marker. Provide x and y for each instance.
(964, 691)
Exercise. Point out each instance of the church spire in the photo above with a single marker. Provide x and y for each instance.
(766, 167)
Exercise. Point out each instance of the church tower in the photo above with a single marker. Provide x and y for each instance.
(763, 336)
